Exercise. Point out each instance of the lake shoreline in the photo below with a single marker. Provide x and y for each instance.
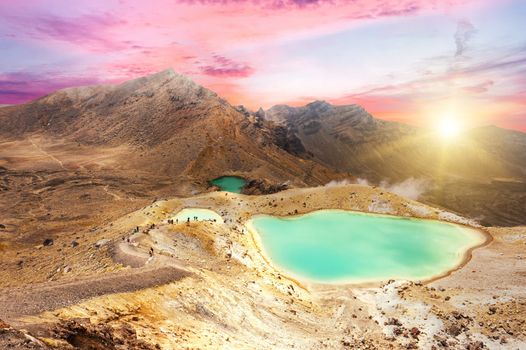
(486, 239)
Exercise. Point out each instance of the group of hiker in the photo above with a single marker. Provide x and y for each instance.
(194, 218)
(170, 221)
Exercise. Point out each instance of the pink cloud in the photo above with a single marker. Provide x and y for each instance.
(479, 88)
(89, 32)
(21, 87)
(209, 25)
(225, 67)
(220, 44)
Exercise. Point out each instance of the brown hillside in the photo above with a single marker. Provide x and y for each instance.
(481, 174)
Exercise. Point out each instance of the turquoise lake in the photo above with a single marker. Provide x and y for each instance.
(197, 214)
(229, 183)
(336, 246)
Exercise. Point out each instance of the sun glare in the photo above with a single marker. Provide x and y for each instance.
(449, 128)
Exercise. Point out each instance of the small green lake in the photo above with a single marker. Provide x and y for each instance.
(229, 183)
(337, 246)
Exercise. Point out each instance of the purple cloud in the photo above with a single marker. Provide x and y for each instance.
(406, 10)
(86, 31)
(276, 4)
(18, 87)
(225, 67)
(479, 88)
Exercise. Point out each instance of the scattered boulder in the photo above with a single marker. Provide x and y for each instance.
(454, 330)
(411, 345)
(11, 338)
(4, 325)
(398, 331)
(82, 334)
(393, 322)
(2, 227)
(101, 242)
(258, 187)
(478, 345)
(74, 244)
(441, 340)
(48, 242)
(415, 332)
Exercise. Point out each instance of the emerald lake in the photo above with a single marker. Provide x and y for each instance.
(229, 183)
(337, 246)
(197, 214)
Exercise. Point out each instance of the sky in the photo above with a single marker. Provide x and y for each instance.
(414, 61)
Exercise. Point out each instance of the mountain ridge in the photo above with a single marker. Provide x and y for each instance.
(478, 174)
(174, 125)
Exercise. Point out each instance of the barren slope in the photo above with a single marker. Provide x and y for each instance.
(482, 174)
(232, 297)
(171, 125)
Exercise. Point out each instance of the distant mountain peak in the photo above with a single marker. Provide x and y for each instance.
(169, 72)
(149, 85)
(319, 104)
(160, 79)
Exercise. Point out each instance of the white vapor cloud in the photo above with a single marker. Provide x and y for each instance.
(411, 188)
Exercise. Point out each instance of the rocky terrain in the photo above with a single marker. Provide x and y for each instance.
(90, 179)
(164, 124)
(82, 156)
(223, 294)
(482, 174)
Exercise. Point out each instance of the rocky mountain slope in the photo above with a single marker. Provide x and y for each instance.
(171, 125)
(481, 174)
(90, 256)
(83, 156)
(208, 285)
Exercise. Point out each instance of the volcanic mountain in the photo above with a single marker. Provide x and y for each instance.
(92, 178)
(481, 174)
(83, 155)
(173, 126)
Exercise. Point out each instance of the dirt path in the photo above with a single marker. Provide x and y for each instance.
(37, 298)
(47, 154)
(113, 194)
(123, 253)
